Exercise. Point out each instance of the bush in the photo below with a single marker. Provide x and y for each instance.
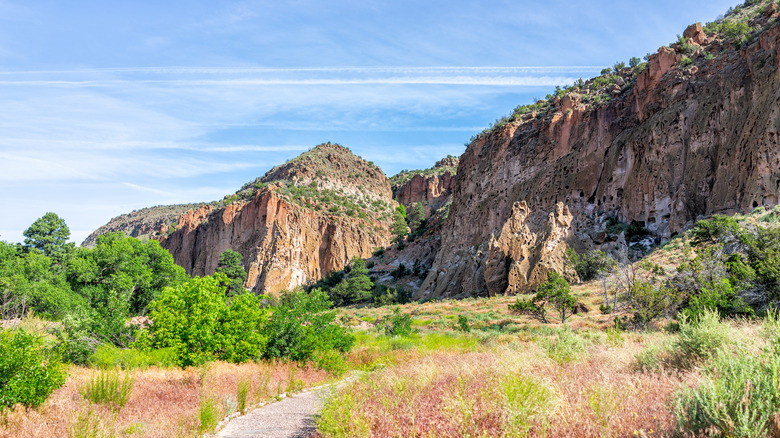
(738, 397)
(29, 369)
(106, 387)
(566, 347)
(108, 356)
(398, 324)
(196, 320)
(304, 325)
(700, 340)
(556, 292)
(591, 264)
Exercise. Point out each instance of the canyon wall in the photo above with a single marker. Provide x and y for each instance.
(682, 141)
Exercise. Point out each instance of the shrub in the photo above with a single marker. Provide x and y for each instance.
(556, 292)
(242, 392)
(29, 369)
(737, 397)
(591, 264)
(106, 387)
(700, 340)
(197, 322)
(208, 414)
(108, 356)
(565, 348)
(355, 288)
(463, 324)
(686, 61)
(650, 302)
(303, 325)
(398, 324)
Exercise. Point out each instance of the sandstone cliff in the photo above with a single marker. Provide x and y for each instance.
(431, 187)
(693, 134)
(299, 222)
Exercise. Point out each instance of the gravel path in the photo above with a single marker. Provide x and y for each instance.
(294, 416)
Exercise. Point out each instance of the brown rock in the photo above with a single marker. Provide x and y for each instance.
(695, 34)
(673, 148)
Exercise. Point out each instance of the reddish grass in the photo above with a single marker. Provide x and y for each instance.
(164, 402)
(450, 394)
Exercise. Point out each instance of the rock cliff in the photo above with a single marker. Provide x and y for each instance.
(691, 133)
(146, 223)
(431, 187)
(300, 221)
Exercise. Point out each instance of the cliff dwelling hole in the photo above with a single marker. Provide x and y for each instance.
(582, 194)
(651, 220)
(592, 199)
(755, 204)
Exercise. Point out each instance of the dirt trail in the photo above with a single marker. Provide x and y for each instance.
(294, 416)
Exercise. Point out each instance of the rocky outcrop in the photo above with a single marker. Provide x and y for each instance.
(152, 222)
(284, 246)
(679, 143)
(431, 187)
(513, 260)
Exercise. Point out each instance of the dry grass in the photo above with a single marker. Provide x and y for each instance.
(508, 389)
(163, 403)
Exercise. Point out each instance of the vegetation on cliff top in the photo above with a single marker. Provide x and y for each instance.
(448, 164)
(738, 27)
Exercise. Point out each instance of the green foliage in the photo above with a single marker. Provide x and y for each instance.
(230, 264)
(49, 234)
(303, 325)
(355, 288)
(29, 369)
(606, 71)
(106, 387)
(29, 281)
(397, 324)
(716, 229)
(699, 340)
(109, 356)
(122, 274)
(649, 301)
(385, 296)
(398, 227)
(556, 292)
(242, 393)
(591, 264)
(196, 320)
(566, 347)
(208, 414)
(620, 65)
(463, 324)
(686, 61)
(416, 217)
(634, 61)
(739, 394)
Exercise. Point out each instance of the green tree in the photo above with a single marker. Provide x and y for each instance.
(356, 287)
(230, 265)
(48, 234)
(304, 325)
(398, 227)
(197, 321)
(28, 281)
(634, 61)
(556, 292)
(416, 217)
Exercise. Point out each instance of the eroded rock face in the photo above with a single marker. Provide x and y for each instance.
(681, 143)
(284, 245)
(514, 259)
(432, 191)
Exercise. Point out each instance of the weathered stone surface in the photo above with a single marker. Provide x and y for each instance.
(145, 223)
(695, 34)
(678, 145)
(284, 245)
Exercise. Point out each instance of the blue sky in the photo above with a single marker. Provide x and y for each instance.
(110, 106)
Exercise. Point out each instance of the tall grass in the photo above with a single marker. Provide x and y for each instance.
(242, 393)
(107, 387)
(208, 414)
